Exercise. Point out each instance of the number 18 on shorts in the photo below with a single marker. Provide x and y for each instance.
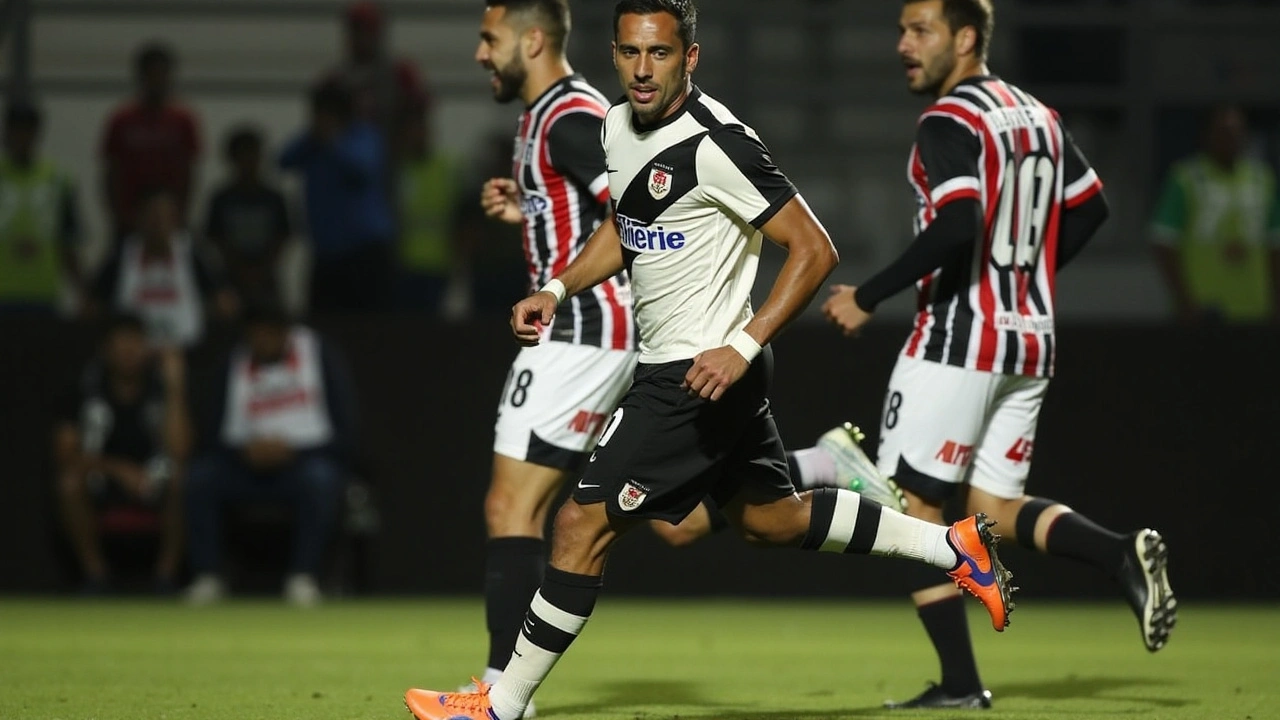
(944, 426)
(556, 400)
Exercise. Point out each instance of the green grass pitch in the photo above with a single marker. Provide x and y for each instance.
(732, 660)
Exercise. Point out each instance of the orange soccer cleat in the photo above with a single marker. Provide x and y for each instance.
(431, 705)
(979, 569)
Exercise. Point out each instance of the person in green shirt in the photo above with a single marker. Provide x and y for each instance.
(429, 259)
(1217, 230)
(39, 221)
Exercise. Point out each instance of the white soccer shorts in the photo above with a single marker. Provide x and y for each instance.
(556, 400)
(944, 426)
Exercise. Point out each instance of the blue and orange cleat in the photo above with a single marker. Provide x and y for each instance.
(979, 570)
(431, 705)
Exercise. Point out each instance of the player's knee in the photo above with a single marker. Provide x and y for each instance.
(1003, 510)
(500, 505)
(778, 526)
(571, 520)
(923, 508)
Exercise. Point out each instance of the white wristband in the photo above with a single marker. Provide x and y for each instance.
(555, 287)
(746, 345)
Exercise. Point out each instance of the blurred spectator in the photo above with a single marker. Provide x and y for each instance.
(152, 141)
(248, 220)
(492, 251)
(122, 438)
(428, 236)
(384, 88)
(348, 209)
(39, 220)
(281, 432)
(160, 275)
(1217, 229)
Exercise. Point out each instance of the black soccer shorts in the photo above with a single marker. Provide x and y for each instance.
(663, 451)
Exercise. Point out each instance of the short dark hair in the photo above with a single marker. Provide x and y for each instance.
(152, 53)
(552, 16)
(22, 115)
(684, 11)
(242, 137)
(977, 14)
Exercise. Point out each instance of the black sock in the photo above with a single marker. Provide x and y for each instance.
(948, 629)
(1076, 536)
(512, 574)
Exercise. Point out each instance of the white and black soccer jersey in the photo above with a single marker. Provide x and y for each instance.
(559, 166)
(993, 142)
(690, 194)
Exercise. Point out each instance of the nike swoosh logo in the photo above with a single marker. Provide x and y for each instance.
(983, 577)
(584, 486)
(610, 170)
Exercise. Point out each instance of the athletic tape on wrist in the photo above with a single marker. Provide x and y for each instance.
(555, 287)
(746, 345)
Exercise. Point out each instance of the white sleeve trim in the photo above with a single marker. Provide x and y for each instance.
(1079, 187)
(966, 182)
(599, 185)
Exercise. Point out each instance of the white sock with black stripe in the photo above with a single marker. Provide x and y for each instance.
(845, 522)
(559, 611)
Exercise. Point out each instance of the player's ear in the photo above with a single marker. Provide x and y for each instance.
(534, 41)
(966, 40)
(691, 58)
(613, 53)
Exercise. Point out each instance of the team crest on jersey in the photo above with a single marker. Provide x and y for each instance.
(631, 496)
(659, 181)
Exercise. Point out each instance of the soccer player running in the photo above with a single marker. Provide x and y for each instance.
(694, 193)
(1005, 201)
(559, 393)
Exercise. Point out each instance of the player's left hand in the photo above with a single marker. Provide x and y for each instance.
(843, 311)
(714, 372)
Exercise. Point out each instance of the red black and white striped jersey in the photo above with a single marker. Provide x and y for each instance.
(990, 141)
(564, 191)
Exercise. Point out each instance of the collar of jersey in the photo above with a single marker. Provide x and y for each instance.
(694, 94)
(562, 81)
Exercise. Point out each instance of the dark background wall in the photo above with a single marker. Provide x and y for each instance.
(1145, 426)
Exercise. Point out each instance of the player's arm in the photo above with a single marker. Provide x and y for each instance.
(810, 259)
(1079, 225)
(599, 260)
(949, 152)
(1085, 208)
(736, 172)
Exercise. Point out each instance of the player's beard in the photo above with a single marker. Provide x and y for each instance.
(935, 72)
(511, 79)
(672, 91)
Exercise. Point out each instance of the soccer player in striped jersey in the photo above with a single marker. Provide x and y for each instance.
(557, 395)
(1005, 200)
